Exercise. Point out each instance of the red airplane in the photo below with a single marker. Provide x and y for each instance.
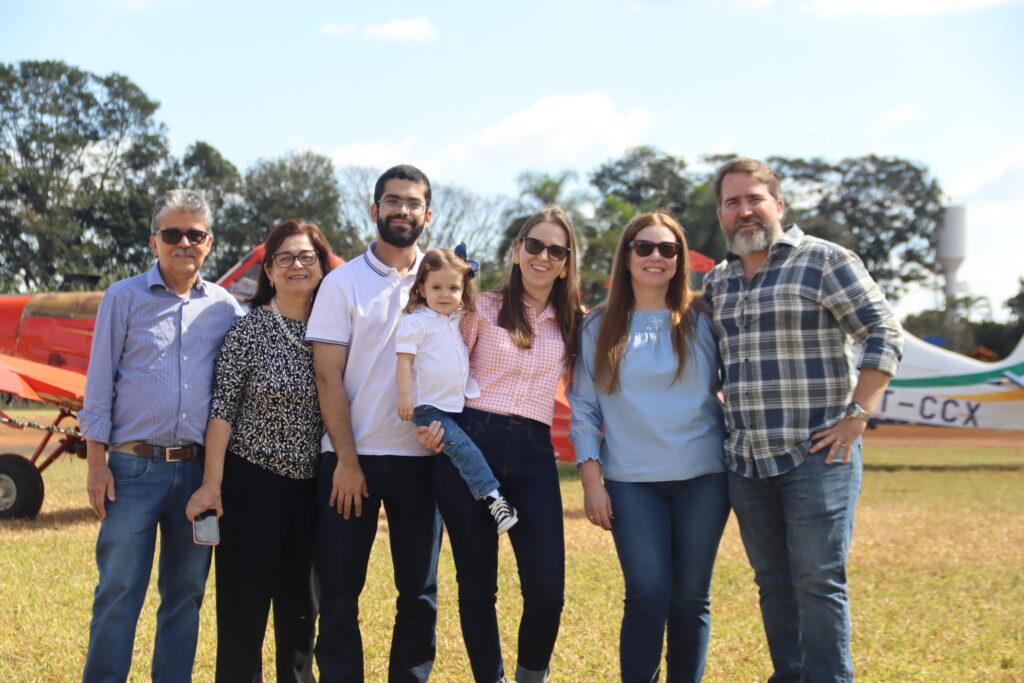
(44, 354)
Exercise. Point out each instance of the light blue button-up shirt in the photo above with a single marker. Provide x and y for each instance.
(151, 367)
(654, 429)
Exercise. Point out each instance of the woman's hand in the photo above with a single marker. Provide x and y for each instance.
(596, 502)
(430, 437)
(206, 497)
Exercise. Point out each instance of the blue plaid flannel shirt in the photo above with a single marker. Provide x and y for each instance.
(786, 341)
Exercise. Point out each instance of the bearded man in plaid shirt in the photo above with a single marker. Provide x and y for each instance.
(787, 309)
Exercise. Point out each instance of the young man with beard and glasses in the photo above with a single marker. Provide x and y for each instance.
(370, 457)
(147, 397)
(786, 309)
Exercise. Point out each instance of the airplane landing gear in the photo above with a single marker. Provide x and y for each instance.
(21, 487)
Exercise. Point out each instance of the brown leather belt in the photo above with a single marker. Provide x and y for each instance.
(166, 453)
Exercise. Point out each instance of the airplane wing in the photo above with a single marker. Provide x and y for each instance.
(38, 382)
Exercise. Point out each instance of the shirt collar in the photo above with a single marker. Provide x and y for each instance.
(382, 269)
(155, 279)
(548, 312)
(792, 235)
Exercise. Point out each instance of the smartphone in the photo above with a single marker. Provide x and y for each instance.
(205, 529)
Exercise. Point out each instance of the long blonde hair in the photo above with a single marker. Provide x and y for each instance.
(565, 294)
(617, 307)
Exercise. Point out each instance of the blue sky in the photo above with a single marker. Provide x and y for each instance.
(475, 93)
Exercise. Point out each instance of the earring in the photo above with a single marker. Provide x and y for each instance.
(515, 260)
(563, 275)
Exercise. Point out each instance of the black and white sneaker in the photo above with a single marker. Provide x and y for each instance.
(504, 515)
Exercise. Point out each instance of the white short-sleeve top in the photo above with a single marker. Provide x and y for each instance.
(441, 367)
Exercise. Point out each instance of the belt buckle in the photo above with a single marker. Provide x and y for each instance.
(170, 454)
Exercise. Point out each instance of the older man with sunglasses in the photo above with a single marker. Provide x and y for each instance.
(147, 395)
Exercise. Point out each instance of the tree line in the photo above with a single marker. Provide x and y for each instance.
(83, 157)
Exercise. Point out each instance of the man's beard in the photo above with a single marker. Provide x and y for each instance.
(753, 242)
(397, 237)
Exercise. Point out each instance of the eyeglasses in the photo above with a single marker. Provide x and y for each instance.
(646, 248)
(396, 204)
(173, 235)
(285, 259)
(535, 246)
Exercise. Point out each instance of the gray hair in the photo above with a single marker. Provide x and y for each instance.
(191, 201)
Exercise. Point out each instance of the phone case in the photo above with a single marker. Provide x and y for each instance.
(205, 529)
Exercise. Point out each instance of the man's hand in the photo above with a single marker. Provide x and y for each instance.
(206, 497)
(405, 407)
(100, 486)
(348, 487)
(430, 437)
(839, 439)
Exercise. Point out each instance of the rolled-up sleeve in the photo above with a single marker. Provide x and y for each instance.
(586, 419)
(94, 419)
(409, 335)
(232, 371)
(856, 301)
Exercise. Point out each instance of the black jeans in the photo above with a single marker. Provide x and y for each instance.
(519, 453)
(265, 558)
(403, 485)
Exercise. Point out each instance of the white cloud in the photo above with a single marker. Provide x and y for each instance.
(897, 115)
(417, 30)
(988, 173)
(551, 132)
(900, 8)
(377, 154)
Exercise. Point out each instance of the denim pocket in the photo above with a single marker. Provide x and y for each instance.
(128, 468)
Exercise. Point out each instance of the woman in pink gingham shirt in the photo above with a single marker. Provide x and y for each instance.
(521, 340)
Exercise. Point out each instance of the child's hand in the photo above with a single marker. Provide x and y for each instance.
(405, 408)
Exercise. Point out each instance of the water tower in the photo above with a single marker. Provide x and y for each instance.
(951, 250)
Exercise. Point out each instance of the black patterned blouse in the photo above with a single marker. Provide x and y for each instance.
(264, 386)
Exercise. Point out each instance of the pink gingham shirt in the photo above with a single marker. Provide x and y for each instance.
(512, 380)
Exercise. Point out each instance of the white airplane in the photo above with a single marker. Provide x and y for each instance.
(934, 386)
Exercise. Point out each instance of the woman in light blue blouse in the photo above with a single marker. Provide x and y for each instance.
(647, 374)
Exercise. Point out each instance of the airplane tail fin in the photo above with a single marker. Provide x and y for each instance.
(1017, 356)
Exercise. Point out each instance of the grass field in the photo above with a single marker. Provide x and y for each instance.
(936, 574)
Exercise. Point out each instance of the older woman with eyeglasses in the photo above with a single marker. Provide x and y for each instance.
(646, 420)
(262, 446)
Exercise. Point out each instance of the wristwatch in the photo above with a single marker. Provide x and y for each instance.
(857, 413)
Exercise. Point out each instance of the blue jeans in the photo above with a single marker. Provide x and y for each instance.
(518, 451)
(150, 493)
(461, 450)
(666, 535)
(797, 528)
(403, 485)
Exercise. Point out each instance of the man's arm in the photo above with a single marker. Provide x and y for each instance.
(349, 485)
(839, 439)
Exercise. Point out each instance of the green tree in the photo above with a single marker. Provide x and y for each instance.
(80, 159)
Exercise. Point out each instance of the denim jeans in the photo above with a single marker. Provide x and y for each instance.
(461, 450)
(666, 535)
(150, 493)
(796, 528)
(402, 484)
(518, 451)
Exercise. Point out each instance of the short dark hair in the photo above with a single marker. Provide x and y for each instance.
(402, 172)
(761, 172)
(294, 226)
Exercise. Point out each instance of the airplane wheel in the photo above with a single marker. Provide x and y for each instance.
(21, 487)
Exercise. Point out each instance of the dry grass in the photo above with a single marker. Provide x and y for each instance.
(937, 576)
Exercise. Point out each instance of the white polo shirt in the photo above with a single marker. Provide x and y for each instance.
(440, 371)
(358, 306)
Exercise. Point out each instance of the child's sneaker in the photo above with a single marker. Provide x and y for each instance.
(504, 515)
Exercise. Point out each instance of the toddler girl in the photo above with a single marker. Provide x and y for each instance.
(433, 368)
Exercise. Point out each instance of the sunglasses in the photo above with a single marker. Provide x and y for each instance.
(646, 248)
(173, 236)
(535, 246)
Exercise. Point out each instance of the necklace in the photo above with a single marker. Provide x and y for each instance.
(284, 328)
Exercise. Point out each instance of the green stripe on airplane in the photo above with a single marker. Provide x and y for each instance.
(956, 380)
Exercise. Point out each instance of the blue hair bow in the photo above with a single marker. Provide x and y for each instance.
(460, 251)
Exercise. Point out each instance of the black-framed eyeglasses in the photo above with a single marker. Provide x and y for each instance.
(173, 236)
(646, 248)
(535, 246)
(285, 259)
(396, 204)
